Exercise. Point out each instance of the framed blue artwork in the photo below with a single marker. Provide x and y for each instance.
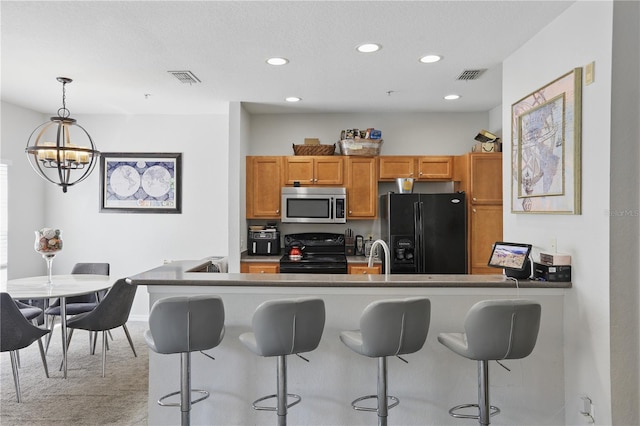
(140, 182)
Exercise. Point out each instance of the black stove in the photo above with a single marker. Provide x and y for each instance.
(322, 253)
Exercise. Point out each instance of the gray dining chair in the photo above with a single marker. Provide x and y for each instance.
(78, 304)
(17, 332)
(111, 312)
(33, 314)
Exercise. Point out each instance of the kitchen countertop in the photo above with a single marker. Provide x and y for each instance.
(186, 273)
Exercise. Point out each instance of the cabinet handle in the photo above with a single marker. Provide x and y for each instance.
(420, 174)
(262, 271)
(474, 199)
(277, 211)
(473, 210)
(350, 212)
(311, 180)
(364, 272)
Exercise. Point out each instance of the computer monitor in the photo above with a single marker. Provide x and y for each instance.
(510, 256)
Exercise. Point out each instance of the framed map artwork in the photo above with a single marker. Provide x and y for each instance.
(546, 148)
(140, 182)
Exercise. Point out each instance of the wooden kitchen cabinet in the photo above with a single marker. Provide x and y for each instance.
(264, 180)
(363, 269)
(422, 168)
(362, 187)
(314, 170)
(480, 176)
(259, 267)
(485, 227)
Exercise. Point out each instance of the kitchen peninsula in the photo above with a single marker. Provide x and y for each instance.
(428, 386)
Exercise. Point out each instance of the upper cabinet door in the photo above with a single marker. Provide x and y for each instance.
(486, 178)
(310, 170)
(435, 168)
(264, 180)
(298, 169)
(397, 166)
(329, 170)
(362, 187)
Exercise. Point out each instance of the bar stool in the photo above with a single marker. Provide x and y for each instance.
(184, 325)
(281, 328)
(388, 328)
(494, 330)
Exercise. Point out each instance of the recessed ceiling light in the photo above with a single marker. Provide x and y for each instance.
(429, 59)
(368, 48)
(277, 61)
(452, 97)
(293, 99)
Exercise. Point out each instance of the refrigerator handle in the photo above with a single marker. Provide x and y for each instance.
(417, 236)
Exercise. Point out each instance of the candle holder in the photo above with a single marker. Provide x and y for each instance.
(48, 243)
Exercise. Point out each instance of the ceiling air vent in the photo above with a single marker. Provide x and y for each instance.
(470, 74)
(185, 76)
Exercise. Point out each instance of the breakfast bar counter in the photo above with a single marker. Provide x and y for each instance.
(433, 381)
(193, 273)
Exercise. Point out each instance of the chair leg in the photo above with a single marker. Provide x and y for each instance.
(44, 358)
(126, 331)
(383, 411)
(16, 377)
(185, 388)
(104, 352)
(53, 322)
(282, 390)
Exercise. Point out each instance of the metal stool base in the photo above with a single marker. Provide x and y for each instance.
(362, 398)
(177, 404)
(255, 405)
(493, 410)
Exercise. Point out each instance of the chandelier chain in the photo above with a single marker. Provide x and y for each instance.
(64, 112)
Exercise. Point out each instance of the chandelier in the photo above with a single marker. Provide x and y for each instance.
(52, 154)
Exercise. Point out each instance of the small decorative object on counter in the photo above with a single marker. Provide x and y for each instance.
(48, 243)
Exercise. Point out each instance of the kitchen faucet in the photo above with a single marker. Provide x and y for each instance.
(387, 257)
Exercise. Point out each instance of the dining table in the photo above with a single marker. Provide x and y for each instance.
(61, 287)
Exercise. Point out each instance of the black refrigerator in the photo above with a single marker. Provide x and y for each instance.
(426, 233)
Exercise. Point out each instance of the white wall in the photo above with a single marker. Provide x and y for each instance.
(25, 191)
(583, 33)
(131, 243)
(625, 217)
(411, 134)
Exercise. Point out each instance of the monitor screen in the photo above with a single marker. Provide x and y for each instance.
(509, 255)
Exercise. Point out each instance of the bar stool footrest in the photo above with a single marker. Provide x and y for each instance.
(255, 405)
(177, 404)
(493, 410)
(355, 406)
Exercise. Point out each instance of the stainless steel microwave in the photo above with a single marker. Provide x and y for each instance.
(314, 205)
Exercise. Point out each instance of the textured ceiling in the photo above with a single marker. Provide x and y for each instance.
(118, 52)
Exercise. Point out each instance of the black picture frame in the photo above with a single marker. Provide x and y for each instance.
(138, 182)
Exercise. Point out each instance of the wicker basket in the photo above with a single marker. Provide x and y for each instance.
(314, 149)
(360, 147)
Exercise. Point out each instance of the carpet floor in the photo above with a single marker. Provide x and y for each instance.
(85, 397)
